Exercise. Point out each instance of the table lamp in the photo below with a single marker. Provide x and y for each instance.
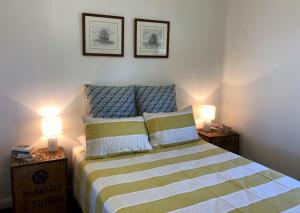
(207, 114)
(52, 128)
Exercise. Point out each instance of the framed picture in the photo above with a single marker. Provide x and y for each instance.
(102, 35)
(151, 38)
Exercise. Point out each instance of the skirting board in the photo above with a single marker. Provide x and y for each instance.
(5, 203)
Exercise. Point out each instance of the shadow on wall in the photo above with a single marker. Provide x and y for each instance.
(276, 157)
(239, 74)
(72, 112)
(19, 125)
(23, 125)
(198, 98)
(264, 110)
(73, 127)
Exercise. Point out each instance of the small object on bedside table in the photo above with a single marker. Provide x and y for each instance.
(228, 141)
(22, 151)
(40, 185)
(207, 114)
(220, 128)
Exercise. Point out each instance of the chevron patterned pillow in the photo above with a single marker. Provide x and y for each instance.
(111, 101)
(155, 99)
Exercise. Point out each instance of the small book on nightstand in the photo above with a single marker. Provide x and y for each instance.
(220, 128)
(22, 151)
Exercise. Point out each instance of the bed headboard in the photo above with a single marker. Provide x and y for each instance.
(111, 101)
(129, 101)
(156, 99)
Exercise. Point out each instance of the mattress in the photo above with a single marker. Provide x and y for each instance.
(193, 177)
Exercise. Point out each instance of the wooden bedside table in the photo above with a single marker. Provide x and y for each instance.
(229, 141)
(40, 185)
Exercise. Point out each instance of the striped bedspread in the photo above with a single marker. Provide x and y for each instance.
(194, 177)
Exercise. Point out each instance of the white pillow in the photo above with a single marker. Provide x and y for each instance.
(109, 137)
(171, 128)
(81, 139)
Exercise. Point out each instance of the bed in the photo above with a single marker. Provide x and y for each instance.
(193, 177)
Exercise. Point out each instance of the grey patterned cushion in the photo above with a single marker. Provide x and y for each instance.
(111, 101)
(156, 99)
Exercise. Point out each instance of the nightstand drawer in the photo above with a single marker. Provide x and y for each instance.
(228, 139)
(229, 143)
(40, 187)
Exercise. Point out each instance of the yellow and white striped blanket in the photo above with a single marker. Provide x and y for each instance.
(194, 177)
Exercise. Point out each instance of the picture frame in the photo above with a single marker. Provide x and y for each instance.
(102, 35)
(151, 38)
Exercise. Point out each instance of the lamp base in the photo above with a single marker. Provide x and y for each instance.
(206, 125)
(52, 144)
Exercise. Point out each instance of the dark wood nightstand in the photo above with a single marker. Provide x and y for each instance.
(228, 141)
(40, 185)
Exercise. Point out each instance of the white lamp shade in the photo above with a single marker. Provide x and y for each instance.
(208, 112)
(51, 127)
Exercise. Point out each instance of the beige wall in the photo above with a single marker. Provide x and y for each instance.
(261, 93)
(41, 65)
(41, 62)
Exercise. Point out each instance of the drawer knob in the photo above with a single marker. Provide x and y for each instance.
(40, 177)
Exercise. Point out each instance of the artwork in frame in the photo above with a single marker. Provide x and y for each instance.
(103, 35)
(151, 38)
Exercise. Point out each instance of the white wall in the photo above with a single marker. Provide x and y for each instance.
(41, 61)
(261, 93)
